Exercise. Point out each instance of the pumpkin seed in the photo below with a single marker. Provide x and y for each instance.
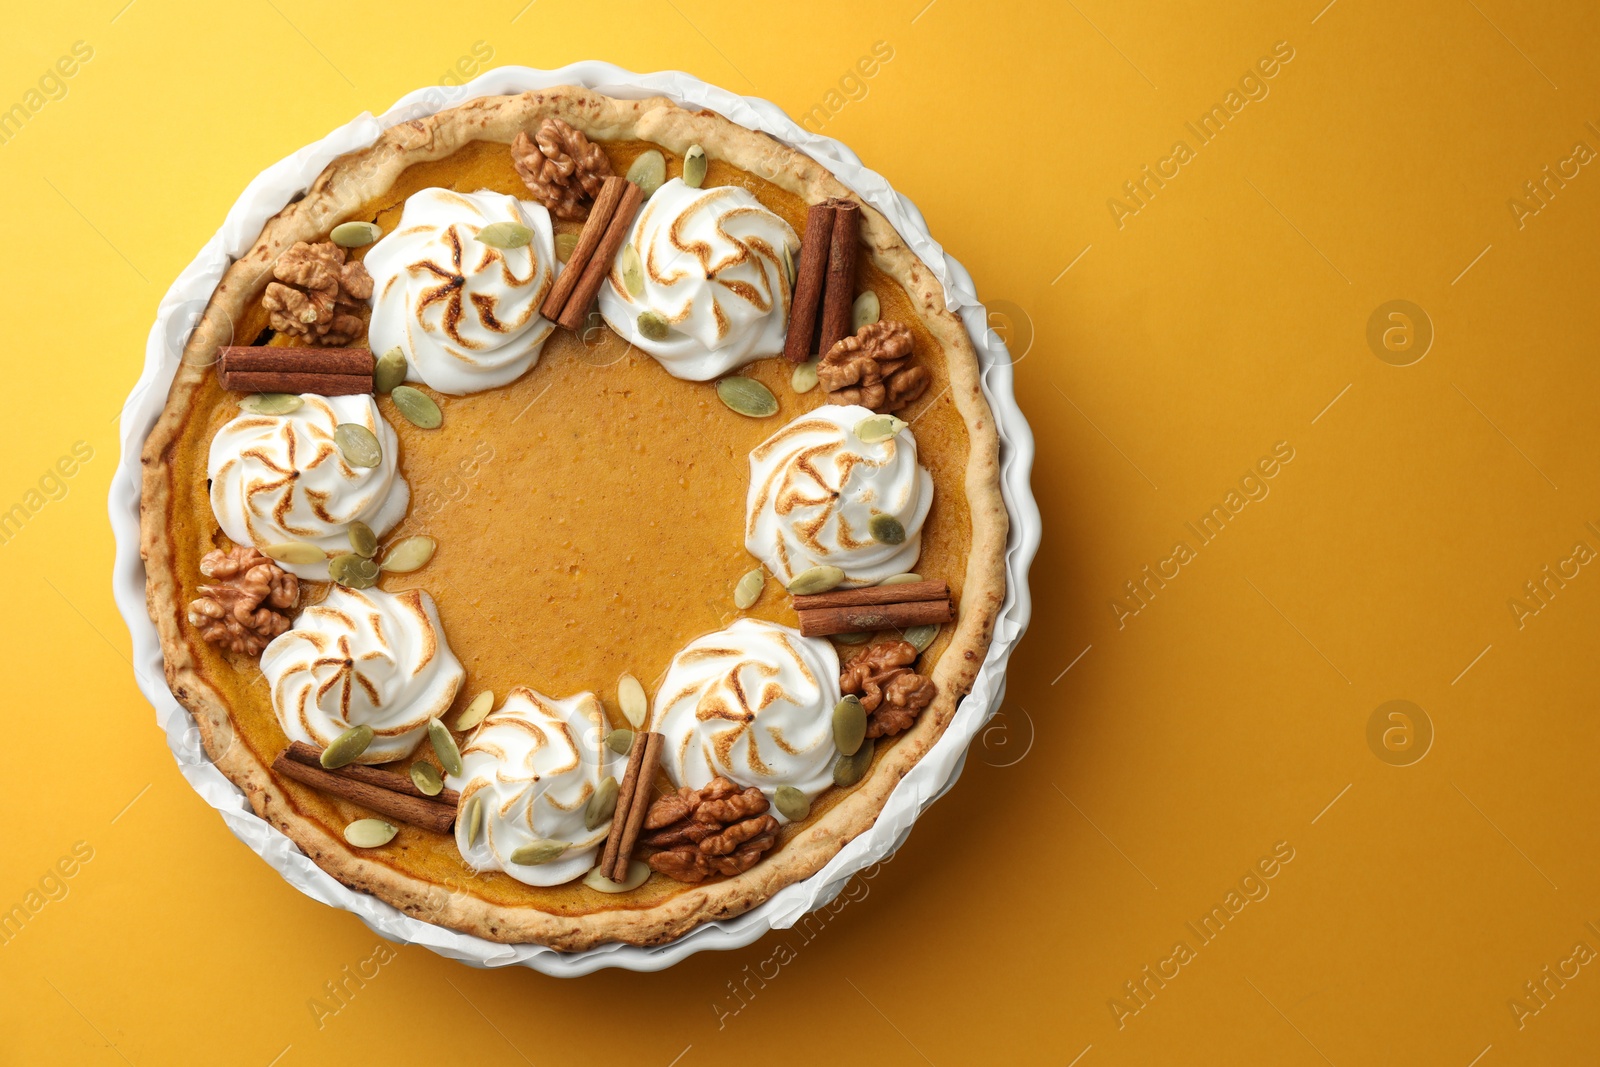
(748, 591)
(390, 370)
(789, 271)
(648, 171)
(409, 554)
(362, 539)
(531, 855)
(887, 530)
(270, 403)
(370, 833)
(425, 776)
(476, 711)
(418, 407)
(355, 234)
(652, 326)
(804, 378)
(346, 747)
(791, 803)
(631, 699)
(920, 637)
(632, 272)
(902, 579)
(566, 244)
(294, 552)
(602, 805)
(877, 428)
(851, 769)
(747, 396)
(638, 873)
(694, 167)
(866, 310)
(505, 235)
(444, 746)
(815, 580)
(353, 571)
(474, 816)
(357, 445)
(849, 725)
(855, 637)
(620, 741)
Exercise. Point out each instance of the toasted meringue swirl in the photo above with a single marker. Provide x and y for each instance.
(713, 268)
(363, 657)
(465, 314)
(533, 764)
(815, 487)
(278, 478)
(753, 703)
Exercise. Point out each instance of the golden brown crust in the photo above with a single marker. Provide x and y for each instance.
(355, 178)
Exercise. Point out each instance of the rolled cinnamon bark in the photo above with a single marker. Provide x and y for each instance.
(643, 787)
(599, 266)
(810, 276)
(838, 300)
(875, 594)
(625, 800)
(290, 382)
(821, 622)
(295, 360)
(425, 813)
(594, 230)
(311, 756)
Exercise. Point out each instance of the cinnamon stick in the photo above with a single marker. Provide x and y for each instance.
(839, 296)
(875, 594)
(810, 275)
(605, 205)
(820, 622)
(643, 786)
(599, 266)
(426, 813)
(625, 796)
(295, 360)
(311, 756)
(296, 382)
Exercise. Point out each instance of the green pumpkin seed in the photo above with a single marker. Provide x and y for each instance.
(632, 272)
(271, 403)
(902, 579)
(851, 769)
(748, 591)
(747, 396)
(694, 167)
(652, 326)
(362, 539)
(390, 370)
(425, 776)
(602, 805)
(855, 637)
(294, 552)
(409, 554)
(346, 747)
(887, 530)
(566, 244)
(849, 725)
(474, 814)
(532, 855)
(476, 711)
(804, 378)
(444, 746)
(370, 833)
(791, 803)
(877, 428)
(505, 235)
(620, 741)
(418, 407)
(788, 266)
(865, 311)
(357, 445)
(648, 171)
(920, 637)
(638, 874)
(815, 580)
(355, 234)
(631, 699)
(353, 571)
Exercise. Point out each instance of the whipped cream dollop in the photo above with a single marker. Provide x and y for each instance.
(465, 314)
(531, 767)
(279, 478)
(815, 487)
(363, 657)
(752, 703)
(712, 267)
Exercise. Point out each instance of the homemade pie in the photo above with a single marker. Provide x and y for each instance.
(519, 645)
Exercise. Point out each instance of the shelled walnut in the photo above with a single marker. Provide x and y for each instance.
(561, 167)
(318, 298)
(719, 829)
(873, 368)
(889, 689)
(242, 610)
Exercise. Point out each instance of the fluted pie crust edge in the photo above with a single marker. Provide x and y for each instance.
(358, 177)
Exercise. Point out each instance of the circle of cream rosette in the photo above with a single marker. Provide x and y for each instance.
(280, 478)
(464, 313)
(815, 487)
(713, 269)
(363, 657)
(532, 765)
(752, 703)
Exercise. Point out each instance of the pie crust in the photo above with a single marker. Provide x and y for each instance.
(356, 178)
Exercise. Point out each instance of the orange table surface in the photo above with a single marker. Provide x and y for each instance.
(1297, 763)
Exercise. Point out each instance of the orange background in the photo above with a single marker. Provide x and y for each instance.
(1144, 763)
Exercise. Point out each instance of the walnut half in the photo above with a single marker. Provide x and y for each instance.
(719, 829)
(889, 689)
(873, 368)
(561, 167)
(318, 299)
(242, 610)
